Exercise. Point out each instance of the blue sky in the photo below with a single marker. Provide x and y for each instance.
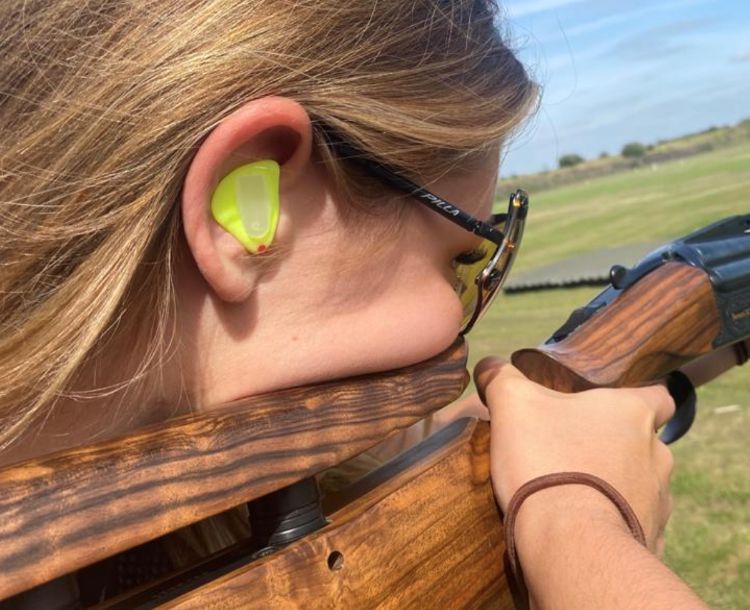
(616, 71)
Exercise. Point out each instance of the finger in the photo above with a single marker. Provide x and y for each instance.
(666, 505)
(491, 369)
(484, 372)
(471, 406)
(664, 460)
(657, 398)
(660, 546)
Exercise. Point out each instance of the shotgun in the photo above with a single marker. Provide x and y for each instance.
(682, 301)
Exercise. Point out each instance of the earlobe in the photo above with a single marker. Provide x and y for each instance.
(273, 130)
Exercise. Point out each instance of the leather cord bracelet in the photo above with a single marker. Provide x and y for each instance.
(513, 566)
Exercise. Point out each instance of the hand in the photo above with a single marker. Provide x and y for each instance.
(469, 406)
(606, 432)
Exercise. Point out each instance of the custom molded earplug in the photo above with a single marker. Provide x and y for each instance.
(246, 204)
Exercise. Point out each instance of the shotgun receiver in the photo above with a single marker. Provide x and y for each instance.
(682, 301)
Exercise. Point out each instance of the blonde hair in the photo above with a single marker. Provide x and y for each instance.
(102, 106)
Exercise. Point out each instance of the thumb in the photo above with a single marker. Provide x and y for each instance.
(492, 369)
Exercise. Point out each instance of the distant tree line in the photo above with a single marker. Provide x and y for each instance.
(570, 160)
(632, 155)
(631, 150)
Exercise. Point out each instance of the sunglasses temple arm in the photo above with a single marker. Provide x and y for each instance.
(435, 203)
(432, 201)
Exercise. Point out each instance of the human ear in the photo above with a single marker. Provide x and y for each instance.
(270, 128)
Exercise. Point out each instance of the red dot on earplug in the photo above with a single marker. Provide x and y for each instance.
(261, 248)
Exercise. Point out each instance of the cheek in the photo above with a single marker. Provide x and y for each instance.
(420, 323)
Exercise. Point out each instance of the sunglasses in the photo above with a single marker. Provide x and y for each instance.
(481, 273)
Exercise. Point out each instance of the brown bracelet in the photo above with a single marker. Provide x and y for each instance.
(740, 352)
(513, 566)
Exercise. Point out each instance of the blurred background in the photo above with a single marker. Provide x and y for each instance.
(643, 136)
(615, 72)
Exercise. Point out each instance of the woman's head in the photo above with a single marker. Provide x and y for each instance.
(118, 119)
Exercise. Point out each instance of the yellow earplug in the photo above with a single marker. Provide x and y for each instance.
(246, 204)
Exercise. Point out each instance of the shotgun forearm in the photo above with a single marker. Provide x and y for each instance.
(684, 300)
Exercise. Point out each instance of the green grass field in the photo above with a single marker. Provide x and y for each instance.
(709, 535)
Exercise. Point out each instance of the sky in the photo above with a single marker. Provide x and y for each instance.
(618, 71)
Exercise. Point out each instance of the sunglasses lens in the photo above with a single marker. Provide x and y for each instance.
(469, 268)
(480, 274)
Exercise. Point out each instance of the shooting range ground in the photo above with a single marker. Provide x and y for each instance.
(708, 539)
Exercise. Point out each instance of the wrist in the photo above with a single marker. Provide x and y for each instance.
(555, 519)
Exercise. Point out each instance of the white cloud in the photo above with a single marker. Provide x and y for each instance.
(519, 8)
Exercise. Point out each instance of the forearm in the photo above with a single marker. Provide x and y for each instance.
(583, 557)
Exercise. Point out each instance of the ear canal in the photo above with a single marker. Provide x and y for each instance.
(246, 204)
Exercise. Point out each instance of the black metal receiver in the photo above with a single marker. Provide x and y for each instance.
(721, 249)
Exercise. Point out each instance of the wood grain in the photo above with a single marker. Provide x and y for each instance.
(422, 532)
(71, 509)
(660, 323)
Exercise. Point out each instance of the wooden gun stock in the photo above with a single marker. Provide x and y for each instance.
(680, 302)
(423, 529)
(665, 320)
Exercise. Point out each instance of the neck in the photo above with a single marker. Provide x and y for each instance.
(104, 402)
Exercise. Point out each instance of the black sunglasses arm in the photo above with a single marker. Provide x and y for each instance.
(432, 201)
(436, 203)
